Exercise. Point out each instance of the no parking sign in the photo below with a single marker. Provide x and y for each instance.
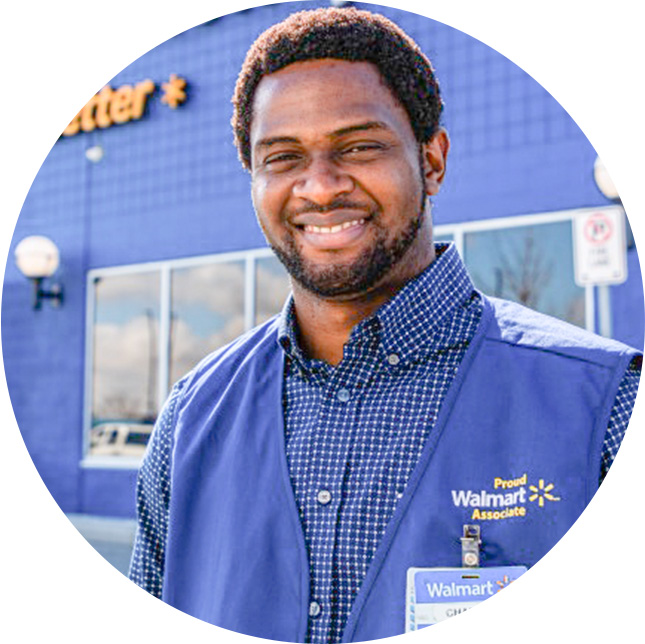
(599, 247)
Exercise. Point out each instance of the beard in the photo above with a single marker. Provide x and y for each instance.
(354, 277)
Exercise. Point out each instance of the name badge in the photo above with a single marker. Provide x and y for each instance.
(435, 594)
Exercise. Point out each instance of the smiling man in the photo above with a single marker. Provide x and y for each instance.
(298, 474)
(340, 186)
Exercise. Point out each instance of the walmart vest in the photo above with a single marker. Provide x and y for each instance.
(516, 448)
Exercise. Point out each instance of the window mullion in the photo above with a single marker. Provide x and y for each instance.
(164, 335)
(89, 363)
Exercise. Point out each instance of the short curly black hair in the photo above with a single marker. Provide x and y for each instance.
(346, 34)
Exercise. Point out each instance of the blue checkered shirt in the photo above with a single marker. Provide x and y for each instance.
(354, 433)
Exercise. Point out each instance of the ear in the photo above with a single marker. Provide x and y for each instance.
(435, 152)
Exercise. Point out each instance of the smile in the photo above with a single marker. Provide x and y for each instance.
(328, 230)
(335, 237)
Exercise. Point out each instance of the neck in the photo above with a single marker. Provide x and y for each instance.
(325, 324)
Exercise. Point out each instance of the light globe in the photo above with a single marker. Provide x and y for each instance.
(37, 257)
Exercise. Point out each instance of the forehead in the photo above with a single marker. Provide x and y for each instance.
(324, 95)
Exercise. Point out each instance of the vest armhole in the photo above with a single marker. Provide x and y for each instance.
(599, 432)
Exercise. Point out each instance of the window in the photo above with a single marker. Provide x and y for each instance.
(148, 325)
(207, 312)
(526, 259)
(531, 265)
(272, 288)
(125, 356)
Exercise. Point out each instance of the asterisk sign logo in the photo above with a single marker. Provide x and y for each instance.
(542, 492)
(502, 584)
(174, 94)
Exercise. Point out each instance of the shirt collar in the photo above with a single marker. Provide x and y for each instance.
(287, 336)
(409, 322)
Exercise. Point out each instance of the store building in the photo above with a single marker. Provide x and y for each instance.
(162, 261)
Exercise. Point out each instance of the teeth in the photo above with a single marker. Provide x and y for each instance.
(326, 230)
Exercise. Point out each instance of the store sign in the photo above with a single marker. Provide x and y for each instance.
(126, 103)
(600, 255)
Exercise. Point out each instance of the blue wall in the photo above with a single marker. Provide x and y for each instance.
(170, 186)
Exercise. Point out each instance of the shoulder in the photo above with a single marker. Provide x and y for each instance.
(518, 326)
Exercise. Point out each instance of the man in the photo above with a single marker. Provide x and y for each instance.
(297, 474)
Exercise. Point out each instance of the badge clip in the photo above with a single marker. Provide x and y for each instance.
(470, 543)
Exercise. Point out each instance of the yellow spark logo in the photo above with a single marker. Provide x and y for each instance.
(174, 93)
(502, 584)
(542, 492)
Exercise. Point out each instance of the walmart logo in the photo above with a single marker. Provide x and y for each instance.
(506, 498)
(542, 492)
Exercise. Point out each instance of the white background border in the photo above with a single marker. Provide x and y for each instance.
(55, 55)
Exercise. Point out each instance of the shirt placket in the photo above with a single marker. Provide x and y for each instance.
(325, 493)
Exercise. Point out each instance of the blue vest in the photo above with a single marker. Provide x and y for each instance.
(516, 448)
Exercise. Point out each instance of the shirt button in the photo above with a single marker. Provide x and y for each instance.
(343, 395)
(323, 497)
(393, 359)
(314, 609)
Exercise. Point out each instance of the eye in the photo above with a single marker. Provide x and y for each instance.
(362, 150)
(280, 159)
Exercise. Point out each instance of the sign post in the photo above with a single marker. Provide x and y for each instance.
(600, 255)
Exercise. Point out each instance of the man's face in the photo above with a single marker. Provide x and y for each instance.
(338, 177)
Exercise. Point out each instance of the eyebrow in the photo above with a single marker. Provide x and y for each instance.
(359, 127)
(272, 140)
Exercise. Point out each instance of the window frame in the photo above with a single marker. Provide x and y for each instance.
(460, 229)
(164, 268)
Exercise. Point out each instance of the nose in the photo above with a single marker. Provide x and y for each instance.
(322, 181)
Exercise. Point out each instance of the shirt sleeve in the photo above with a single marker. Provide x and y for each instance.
(153, 501)
(620, 415)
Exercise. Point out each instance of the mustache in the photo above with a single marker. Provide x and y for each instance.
(336, 204)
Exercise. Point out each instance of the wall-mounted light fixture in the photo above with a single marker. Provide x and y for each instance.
(604, 181)
(94, 153)
(37, 258)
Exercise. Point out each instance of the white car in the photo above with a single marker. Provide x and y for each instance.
(119, 438)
